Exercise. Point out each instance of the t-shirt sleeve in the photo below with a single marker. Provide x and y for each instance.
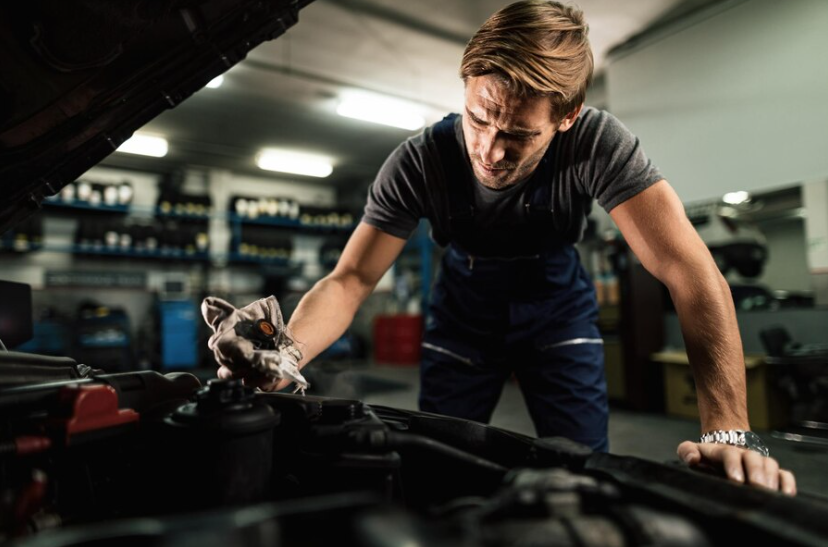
(395, 199)
(614, 167)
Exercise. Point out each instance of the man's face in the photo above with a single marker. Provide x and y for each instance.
(506, 135)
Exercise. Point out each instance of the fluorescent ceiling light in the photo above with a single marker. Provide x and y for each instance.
(382, 110)
(296, 163)
(735, 198)
(145, 145)
(216, 82)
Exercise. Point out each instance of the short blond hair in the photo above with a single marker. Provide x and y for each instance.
(536, 47)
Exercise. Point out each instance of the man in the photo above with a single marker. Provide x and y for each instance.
(507, 187)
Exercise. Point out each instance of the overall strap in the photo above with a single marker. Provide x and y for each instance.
(539, 206)
(452, 158)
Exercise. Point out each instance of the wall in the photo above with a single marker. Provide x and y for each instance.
(787, 267)
(731, 99)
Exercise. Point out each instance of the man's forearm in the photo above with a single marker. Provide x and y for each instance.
(714, 348)
(324, 313)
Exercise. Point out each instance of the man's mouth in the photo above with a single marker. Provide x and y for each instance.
(493, 169)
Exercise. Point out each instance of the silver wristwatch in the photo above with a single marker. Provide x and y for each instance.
(736, 437)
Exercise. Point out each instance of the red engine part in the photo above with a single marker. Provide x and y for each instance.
(89, 408)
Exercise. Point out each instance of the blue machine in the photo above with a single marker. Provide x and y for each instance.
(178, 322)
(102, 338)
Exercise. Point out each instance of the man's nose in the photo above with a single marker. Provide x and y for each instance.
(491, 149)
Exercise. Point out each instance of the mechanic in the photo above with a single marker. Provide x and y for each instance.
(507, 187)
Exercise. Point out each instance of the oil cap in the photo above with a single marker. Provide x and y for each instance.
(262, 333)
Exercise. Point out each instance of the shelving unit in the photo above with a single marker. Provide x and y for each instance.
(137, 217)
(54, 205)
(122, 253)
(82, 249)
(264, 230)
(237, 258)
(81, 206)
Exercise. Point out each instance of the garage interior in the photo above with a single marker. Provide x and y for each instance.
(726, 96)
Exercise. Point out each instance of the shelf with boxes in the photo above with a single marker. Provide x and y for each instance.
(182, 206)
(105, 220)
(263, 229)
(184, 223)
(84, 196)
(288, 213)
(136, 238)
(260, 244)
(26, 237)
(94, 196)
(112, 226)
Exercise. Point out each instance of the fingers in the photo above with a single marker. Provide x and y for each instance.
(787, 482)
(740, 465)
(771, 473)
(689, 453)
(755, 468)
(732, 458)
(726, 457)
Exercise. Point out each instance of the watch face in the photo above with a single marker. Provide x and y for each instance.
(754, 442)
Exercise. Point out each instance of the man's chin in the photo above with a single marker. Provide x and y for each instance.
(493, 180)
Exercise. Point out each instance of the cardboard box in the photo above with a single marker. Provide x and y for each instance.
(767, 407)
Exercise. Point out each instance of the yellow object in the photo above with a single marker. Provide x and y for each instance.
(767, 408)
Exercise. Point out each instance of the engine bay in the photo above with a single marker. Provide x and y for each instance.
(147, 459)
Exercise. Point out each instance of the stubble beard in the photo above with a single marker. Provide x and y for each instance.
(513, 175)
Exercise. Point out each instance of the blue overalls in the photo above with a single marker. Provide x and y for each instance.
(531, 315)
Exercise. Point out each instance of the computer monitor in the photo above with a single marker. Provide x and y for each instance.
(15, 313)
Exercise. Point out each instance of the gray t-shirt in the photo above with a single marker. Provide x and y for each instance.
(598, 158)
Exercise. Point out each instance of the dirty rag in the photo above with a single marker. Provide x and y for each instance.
(237, 352)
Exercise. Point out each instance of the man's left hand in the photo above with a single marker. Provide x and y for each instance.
(739, 464)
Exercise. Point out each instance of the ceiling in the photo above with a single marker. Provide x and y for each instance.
(285, 93)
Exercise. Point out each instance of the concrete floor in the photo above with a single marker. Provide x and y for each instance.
(647, 436)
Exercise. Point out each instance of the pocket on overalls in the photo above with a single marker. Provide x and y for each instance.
(568, 336)
(447, 353)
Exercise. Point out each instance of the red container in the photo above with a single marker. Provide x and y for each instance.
(397, 339)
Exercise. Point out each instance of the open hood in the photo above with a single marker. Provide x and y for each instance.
(78, 78)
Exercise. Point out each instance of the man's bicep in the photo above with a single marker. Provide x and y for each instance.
(656, 228)
(368, 254)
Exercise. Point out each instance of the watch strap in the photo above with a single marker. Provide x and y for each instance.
(735, 437)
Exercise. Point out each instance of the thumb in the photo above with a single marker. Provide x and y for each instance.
(689, 453)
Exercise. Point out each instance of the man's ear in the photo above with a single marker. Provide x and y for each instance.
(569, 119)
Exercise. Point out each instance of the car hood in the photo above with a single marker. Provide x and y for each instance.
(80, 77)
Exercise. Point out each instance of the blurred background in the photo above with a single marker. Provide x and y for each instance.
(252, 186)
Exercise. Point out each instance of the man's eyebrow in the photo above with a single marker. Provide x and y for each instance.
(472, 116)
(516, 131)
(521, 132)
